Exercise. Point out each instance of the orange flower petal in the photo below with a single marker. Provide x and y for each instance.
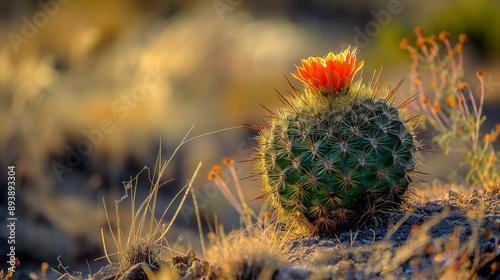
(330, 73)
(304, 74)
(344, 54)
(314, 82)
(333, 78)
(331, 57)
(299, 78)
(337, 64)
(307, 65)
(329, 66)
(359, 66)
(315, 67)
(321, 74)
(343, 82)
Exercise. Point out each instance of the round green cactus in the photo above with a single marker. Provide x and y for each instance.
(329, 158)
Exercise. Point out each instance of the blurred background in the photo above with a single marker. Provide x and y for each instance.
(91, 90)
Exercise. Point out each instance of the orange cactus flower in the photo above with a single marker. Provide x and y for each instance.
(444, 35)
(418, 30)
(228, 161)
(450, 101)
(480, 74)
(425, 100)
(217, 169)
(463, 86)
(487, 137)
(331, 73)
(432, 38)
(214, 173)
(421, 42)
(436, 107)
(404, 43)
(462, 38)
(418, 81)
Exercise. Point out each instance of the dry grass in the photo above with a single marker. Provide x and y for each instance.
(144, 241)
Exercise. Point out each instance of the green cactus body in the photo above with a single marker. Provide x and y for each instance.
(326, 161)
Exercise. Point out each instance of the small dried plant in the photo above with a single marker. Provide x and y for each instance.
(252, 251)
(251, 223)
(144, 242)
(240, 206)
(451, 107)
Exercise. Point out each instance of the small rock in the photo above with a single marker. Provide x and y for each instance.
(432, 207)
(137, 273)
(419, 209)
(288, 273)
